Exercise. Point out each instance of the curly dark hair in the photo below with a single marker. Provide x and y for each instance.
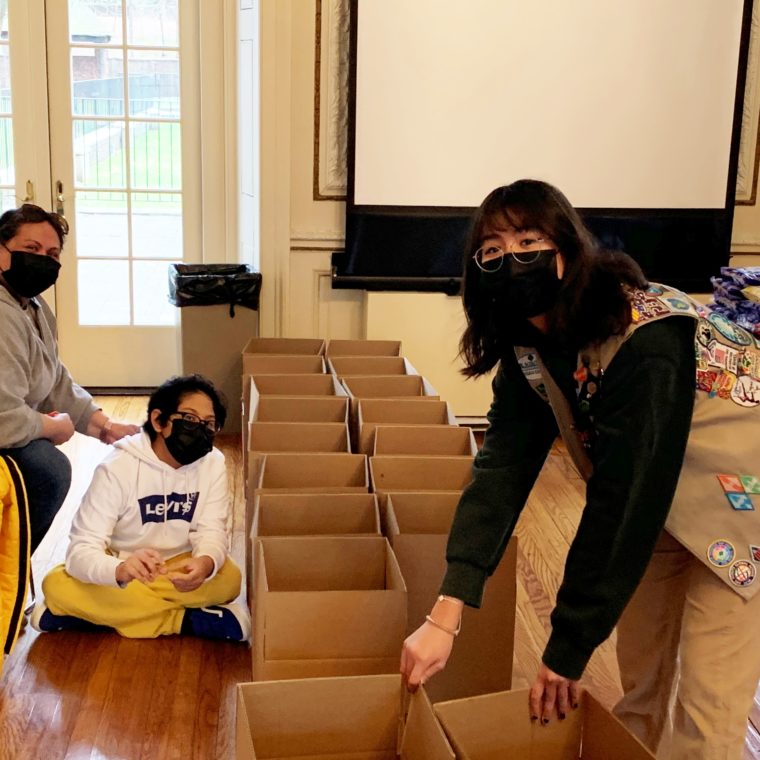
(593, 302)
(168, 396)
(28, 213)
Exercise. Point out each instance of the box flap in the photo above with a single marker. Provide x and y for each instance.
(313, 470)
(342, 347)
(421, 512)
(423, 738)
(425, 440)
(605, 736)
(369, 365)
(314, 346)
(295, 385)
(412, 473)
(299, 409)
(263, 364)
(298, 436)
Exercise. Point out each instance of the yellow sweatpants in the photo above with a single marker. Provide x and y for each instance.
(140, 610)
(689, 659)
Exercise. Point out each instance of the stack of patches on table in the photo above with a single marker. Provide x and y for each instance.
(736, 295)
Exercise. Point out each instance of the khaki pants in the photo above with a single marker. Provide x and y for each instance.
(689, 656)
(141, 610)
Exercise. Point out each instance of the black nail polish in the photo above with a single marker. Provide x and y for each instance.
(575, 706)
(534, 717)
(545, 721)
(561, 716)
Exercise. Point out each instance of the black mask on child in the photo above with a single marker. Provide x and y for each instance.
(523, 290)
(188, 441)
(31, 273)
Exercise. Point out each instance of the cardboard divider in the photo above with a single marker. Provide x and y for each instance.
(499, 725)
(326, 606)
(299, 409)
(281, 364)
(373, 347)
(374, 411)
(370, 365)
(412, 473)
(424, 440)
(313, 346)
(388, 386)
(356, 718)
(298, 436)
(310, 473)
(417, 526)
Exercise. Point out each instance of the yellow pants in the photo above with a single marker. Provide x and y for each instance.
(689, 659)
(140, 610)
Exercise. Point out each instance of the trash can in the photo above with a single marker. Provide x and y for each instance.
(218, 316)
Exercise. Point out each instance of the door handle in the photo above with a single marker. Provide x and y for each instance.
(59, 206)
(29, 197)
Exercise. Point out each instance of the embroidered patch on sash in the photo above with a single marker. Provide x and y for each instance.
(754, 552)
(720, 553)
(705, 333)
(677, 303)
(647, 306)
(746, 391)
(751, 483)
(731, 483)
(740, 502)
(742, 572)
(529, 367)
(729, 330)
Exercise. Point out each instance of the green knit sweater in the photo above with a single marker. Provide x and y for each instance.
(642, 417)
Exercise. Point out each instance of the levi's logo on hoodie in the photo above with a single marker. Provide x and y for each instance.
(177, 506)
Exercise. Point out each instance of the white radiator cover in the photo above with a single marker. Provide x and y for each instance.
(429, 326)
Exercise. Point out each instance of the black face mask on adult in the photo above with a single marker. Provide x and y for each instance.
(523, 290)
(189, 441)
(31, 273)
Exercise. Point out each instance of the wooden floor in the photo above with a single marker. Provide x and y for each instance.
(68, 695)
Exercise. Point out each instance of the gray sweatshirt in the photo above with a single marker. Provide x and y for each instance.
(32, 378)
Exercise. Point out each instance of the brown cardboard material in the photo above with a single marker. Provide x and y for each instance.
(313, 346)
(352, 717)
(388, 386)
(375, 411)
(417, 526)
(314, 514)
(273, 364)
(326, 606)
(299, 409)
(298, 436)
(410, 473)
(343, 347)
(499, 726)
(310, 473)
(424, 440)
(370, 365)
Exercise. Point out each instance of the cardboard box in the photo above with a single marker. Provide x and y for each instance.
(363, 348)
(410, 473)
(388, 386)
(266, 364)
(356, 718)
(299, 409)
(313, 514)
(314, 346)
(327, 606)
(499, 726)
(370, 365)
(303, 514)
(417, 526)
(372, 412)
(310, 473)
(424, 440)
(298, 436)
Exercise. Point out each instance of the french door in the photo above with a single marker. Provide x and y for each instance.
(101, 96)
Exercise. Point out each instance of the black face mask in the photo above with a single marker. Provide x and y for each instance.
(31, 273)
(188, 442)
(523, 290)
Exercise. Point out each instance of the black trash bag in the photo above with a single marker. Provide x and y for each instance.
(213, 284)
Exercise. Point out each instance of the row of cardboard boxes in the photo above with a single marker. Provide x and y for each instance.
(346, 553)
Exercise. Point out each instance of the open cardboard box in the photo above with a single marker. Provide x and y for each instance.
(417, 526)
(353, 718)
(376, 411)
(299, 409)
(326, 606)
(423, 473)
(370, 365)
(424, 440)
(499, 726)
(342, 347)
(298, 436)
(314, 346)
(282, 364)
(308, 514)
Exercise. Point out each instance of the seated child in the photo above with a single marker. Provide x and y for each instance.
(148, 544)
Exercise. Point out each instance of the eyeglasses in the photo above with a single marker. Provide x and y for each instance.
(193, 420)
(491, 257)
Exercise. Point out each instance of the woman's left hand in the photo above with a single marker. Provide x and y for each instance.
(551, 691)
(118, 430)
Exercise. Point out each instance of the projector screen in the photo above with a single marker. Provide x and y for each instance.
(631, 109)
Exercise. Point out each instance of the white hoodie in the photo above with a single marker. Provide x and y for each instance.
(136, 501)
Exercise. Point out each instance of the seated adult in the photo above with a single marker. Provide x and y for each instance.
(40, 405)
(148, 551)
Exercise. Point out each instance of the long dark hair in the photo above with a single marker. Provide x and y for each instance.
(592, 304)
(28, 213)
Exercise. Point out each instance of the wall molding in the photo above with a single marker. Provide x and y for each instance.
(749, 143)
(331, 42)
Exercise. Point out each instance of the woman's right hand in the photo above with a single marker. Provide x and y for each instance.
(424, 653)
(57, 427)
